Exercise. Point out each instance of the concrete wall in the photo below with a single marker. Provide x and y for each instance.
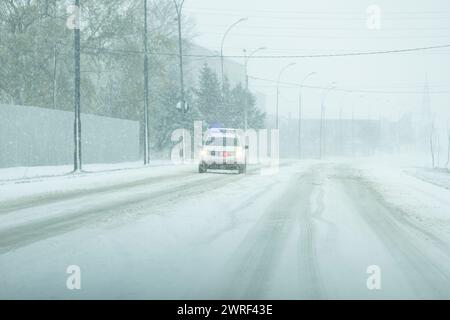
(31, 136)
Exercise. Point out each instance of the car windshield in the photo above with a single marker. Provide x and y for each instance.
(222, 141)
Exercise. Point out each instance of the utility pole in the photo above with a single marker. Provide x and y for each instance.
(322, 116)
(247, 58)
(341, 134)
(146, 124)
(179, 8)
(341, 126)
(246, 92)
(300, 114)
(353, 129)
(77, 122)
(55, 65)
(278, 91)
(182, 103)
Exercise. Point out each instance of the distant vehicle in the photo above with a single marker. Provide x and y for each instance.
(223, 150)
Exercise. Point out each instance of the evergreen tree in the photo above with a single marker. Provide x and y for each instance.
(255, 117)
(242, 100)
(165, 118)
(237, 105)
(227, 112)
(208, 100)
(224, 105)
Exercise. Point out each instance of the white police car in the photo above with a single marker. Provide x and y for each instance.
(223, 149)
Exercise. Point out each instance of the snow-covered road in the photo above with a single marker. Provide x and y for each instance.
(309, 231)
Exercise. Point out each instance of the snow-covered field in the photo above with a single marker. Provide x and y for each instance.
(309, 231)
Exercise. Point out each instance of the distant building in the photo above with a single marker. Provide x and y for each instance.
(344, 137)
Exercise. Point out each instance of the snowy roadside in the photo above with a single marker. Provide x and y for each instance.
(422, 196)
(17, 174)
(44, 181)
(438, 177)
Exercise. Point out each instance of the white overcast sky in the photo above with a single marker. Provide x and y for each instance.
(294, 27)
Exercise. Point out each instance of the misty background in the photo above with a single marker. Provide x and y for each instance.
(382, 103)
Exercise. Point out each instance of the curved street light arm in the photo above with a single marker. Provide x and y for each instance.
(178, 6)
(247, 58)
(306, 78)
(284, 69)
(228, 31)
(223, 42)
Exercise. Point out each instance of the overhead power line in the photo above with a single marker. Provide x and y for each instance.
(326, 28)
(336, 37)
(222, 10)
(320, 55)
(326, 17)
(296, 85)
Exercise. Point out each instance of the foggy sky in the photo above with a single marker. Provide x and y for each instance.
(292, 27)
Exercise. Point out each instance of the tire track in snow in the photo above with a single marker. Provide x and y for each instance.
(429, 278)
(52, 197)
(404, 217)
(256, 259)
(309, 212)
(233, 223)
(133, 206)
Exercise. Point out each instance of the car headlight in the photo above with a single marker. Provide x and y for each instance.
(239, 153)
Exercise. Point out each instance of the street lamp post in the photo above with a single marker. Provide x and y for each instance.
(353, 129)
(223, 42)
(247, 58)
(300, 113)
(146, 122)
(179, 8)
(341, 126)
(77, 109)
(278, 91)
(322, 115)
(182, 102)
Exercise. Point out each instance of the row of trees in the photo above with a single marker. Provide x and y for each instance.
(36, 65)
(210, 102)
